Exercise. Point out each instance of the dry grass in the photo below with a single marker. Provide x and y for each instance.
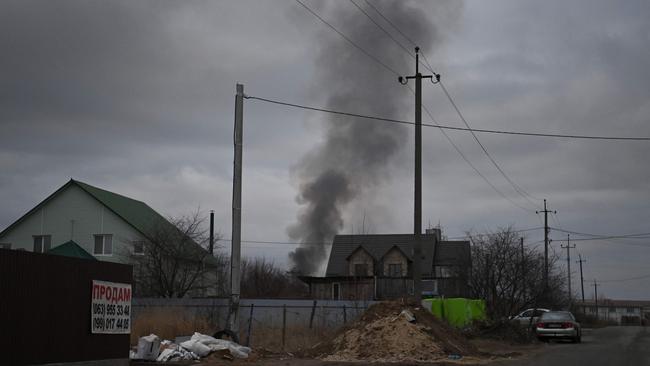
(296, 337)
(168, 323)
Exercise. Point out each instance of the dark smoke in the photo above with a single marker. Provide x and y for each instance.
(356, 154)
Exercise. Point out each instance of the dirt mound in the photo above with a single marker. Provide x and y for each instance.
(382, 334)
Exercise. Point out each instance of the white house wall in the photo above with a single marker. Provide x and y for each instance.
(90, 217)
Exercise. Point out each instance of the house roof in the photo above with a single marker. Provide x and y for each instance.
(136, 213)
(446, 252)
(376, 246)
(71, 249)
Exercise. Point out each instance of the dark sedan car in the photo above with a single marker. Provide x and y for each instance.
(558, 325)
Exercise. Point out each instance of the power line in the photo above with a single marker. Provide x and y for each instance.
(517, 188)
(347, 39)
(424, 106)
(598, 237)
(460, 152)
(391, 120)
(426, 63)
(627, 279)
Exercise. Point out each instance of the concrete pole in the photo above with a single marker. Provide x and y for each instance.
(235, 255)
(417, 206)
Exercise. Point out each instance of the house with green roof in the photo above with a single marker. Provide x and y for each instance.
(109, 226)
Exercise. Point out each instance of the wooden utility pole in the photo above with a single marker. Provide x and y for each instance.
(568, 265)
(546, 231)
(417, 214)
(235, 254)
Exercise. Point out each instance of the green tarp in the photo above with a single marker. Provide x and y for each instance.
(456, 311)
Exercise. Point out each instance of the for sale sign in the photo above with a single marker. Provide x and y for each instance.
(110, 308)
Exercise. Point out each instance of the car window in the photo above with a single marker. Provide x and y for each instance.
(556, 315)
(526, 314)
(539, 312)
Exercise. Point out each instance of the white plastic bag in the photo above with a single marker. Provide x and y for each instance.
(148, 348)
(197, 347)
(219, 344)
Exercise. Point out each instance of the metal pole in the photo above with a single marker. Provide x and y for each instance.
(545, 246)
(235, 255)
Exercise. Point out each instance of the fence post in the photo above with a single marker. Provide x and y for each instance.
(345, 315)
(284, 324)
(313, 312)
(250, 326)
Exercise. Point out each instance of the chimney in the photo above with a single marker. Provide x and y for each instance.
(437, 232)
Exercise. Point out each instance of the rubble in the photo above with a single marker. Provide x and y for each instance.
(392, 332)
(194, 348)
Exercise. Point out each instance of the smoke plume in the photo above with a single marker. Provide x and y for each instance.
(355, 155)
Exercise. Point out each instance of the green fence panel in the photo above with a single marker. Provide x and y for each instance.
(456, 311)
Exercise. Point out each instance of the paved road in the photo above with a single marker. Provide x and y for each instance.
(609, 346)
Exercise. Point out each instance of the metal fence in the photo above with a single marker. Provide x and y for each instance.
(281, 314)
(45, 305)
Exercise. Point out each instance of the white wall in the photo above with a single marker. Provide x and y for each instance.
(90, 218)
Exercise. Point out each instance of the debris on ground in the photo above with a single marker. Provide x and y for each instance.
(505, 331)
(394, 332)
(196, 347)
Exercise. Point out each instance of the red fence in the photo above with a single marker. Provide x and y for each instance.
(45, 309)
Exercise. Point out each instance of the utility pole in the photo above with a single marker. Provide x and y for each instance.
(235, 255)
(523, 268)
(211, 247)
(582, 281)
(546, 231)
(596, 297)
(568, 265)
(417, 214)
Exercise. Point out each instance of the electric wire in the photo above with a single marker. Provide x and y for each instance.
(347, 39)
(397, 121)
(517, 188)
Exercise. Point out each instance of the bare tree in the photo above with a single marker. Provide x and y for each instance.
(175, 262)
(509, 279)
(263, 279)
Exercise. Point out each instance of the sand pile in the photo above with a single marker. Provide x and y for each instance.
(382, 334)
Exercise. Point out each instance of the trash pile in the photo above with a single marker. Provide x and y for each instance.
(393, 332)
(196, 347)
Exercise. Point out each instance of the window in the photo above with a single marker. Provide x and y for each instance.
(103, 244)
(526, 314)
(395, 270)
(336, 291)
(360, 269)
(42, 243)
(5, 245)
(612, 309)
(630, 310)
(138, 247)
(445, 271)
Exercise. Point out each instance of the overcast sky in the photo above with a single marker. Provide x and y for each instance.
(137, 97)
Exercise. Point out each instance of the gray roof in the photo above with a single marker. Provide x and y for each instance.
(378, 245)
(452, 253)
